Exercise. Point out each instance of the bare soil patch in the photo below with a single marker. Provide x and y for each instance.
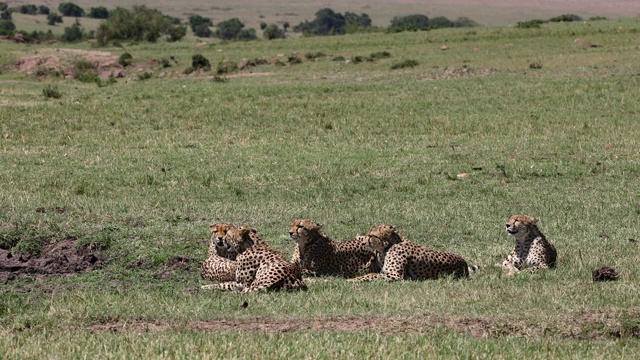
(60, 259)
(62, 61)
(583, 326)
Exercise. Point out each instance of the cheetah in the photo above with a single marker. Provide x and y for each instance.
(220, 264)
(258, 265)
(403, 259)
(532, 250)
(318, 255)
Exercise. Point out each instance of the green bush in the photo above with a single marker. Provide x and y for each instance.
(273, 32)
(529, 24)
(51, 92)
(404, 64)
(380, 55)
(70, 9)
(566, 18)
(74, 33)
(145, 76)
(54, 18)
(99, 12)
(200, 62)
(125, 59)
(226, 66)
(138, 24)
(535, 65)
(7, 27)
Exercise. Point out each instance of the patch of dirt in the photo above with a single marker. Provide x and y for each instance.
(60, 259)
(177, 262)
(62, 62)
(460, 72)
(585, 326)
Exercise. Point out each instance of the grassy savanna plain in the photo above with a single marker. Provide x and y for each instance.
(141, 169)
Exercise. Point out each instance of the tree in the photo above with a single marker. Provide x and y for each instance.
(72, 34)
(53, 18)
(138, 24)
(99, 12)
(273, 32)
(286, 26)
(5, 15)
(3, 6)
(28, 9)
(263, 25)
(7, 26)
(441, 22)
(44, 10)
(362, 20)
(329, 22)
(229, 29)
(70, 9)
(247, 34)
(202, 30)
(197, 20)
(410, 22)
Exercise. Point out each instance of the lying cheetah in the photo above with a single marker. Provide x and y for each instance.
(403, 259)
(220, 264)
(532, 250)
(318, 255)
(259, 267)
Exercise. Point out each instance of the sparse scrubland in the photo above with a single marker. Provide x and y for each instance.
(130, 173)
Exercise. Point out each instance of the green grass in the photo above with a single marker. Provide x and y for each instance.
(143, 167)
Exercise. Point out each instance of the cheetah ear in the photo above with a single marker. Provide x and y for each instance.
(255, 231)
(212, 228)
(534, 220)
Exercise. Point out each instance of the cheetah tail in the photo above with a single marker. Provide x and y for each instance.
(474, 268)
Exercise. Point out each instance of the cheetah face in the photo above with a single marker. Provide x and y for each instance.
(239, 239)
(381, 238)
(302, 230)
(218, 232)
(519, 225)
(373, 243)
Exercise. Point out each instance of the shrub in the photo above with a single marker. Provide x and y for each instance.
(273, 32)
(70, 9)
(327, 22)
(220, 79)
(226, 66)
(596, 18)
(566, 18)
(535, 65)
(313, 55)
(229, 29)
(165, 63)
(51, 91)
(138, 24)
(3, 6)
(200, 62)
(411, 22)
(99, 12)
(7, 26)
(53, 18)
(144, 76)
(380, 55)
(28, 9)
(74, 33)
(202, 31)
(84, 70)
(247, 34)
(529, 24)
(5, 15)
(125, 59)
(294, 60)
(43, 10)
(404, 64)
(263, 25)
(338, 58)
(197, 20)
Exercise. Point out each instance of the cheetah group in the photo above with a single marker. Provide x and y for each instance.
(240, 260)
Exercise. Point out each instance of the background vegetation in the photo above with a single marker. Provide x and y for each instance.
(141, 168)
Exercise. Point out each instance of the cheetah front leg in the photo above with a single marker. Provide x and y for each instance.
(225, 286)
(367, 277)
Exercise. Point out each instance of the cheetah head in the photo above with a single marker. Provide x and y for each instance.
(381, 238)
(239, 239)
(218, 231)
(304, 230)
(520, 225)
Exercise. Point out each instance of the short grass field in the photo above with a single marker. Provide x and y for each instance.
(139, 169)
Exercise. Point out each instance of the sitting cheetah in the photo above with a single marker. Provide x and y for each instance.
(220, 264)
(532, 249)
(258, 266)
(318, 255)
(403, 259)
